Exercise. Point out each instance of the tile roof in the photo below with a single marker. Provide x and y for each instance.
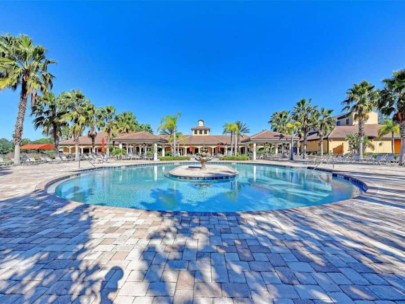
(200, 128)
(85, 140)
(268, 135)
(139, 136)
(340, 132)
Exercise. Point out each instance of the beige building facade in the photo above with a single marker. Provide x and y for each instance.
(336, 143)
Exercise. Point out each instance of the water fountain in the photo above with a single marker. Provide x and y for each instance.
(203, 172)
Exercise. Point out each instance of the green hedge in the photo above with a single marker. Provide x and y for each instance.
(175, 158)
(235, 157)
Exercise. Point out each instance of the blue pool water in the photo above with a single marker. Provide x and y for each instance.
(256, 188)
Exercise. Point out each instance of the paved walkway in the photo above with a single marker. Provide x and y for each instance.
(56, 252)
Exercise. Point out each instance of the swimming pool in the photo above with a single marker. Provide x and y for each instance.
(256, 188)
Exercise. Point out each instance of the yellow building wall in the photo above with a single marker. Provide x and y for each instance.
(380, 146)
(314, 146)
(372, 120)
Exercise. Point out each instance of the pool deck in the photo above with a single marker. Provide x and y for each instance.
(57, 252)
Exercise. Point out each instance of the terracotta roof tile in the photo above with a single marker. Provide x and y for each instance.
(85, 140)
(143, 135)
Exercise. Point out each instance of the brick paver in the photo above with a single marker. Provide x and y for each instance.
(52, 251)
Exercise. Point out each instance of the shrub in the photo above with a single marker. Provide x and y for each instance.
(118, 151)
(175, 158)
(235, 157)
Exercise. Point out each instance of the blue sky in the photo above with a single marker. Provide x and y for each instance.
(220, 61)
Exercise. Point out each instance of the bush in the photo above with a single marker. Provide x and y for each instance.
(118, 151)
(235, 157)
(175, 158)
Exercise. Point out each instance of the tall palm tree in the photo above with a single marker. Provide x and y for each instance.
(24, 65)
(79, 113)
(324, 124)
(49, 115)
(126, 122)
(305, 113)
(243, 129)
(94, 115)
(388, 127)
(291, 129)
(361, 100)
(279, 120)
(168, 126)
(392, 101)
(232, 129)
(107, 123)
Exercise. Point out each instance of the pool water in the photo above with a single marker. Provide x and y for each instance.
(256, 188)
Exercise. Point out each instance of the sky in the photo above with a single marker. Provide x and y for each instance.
(218, 61)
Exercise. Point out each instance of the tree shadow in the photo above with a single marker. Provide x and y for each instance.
(46, 252)
(337, 252)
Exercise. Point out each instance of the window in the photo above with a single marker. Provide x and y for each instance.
(205, 132)
(200, 131)
(338, 123)
(347, 121)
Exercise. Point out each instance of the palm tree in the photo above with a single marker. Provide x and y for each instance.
(279, 120)
(168, 126)
(354, 143)
(392, 101)
(361, 100)
(94, 124)
(389, 127)
(79, 112)
(107, 123)
(49, 115)
(291, 129)
(305, 113)
(243, 129)
(24, 65)
(324, 124)
(146, 127)
(232, 129)
(126, 122)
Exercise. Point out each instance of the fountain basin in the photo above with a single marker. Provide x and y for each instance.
(211, 172)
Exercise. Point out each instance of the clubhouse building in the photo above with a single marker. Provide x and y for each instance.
(141, 143)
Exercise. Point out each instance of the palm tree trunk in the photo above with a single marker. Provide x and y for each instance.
(392, 142)
(108, 144)
(236, 144)
(20, 123)
(361, 138)
(55, 139)
(321, 146)
(402, 132)
(174, 141)
(304, 153)
(77, 155)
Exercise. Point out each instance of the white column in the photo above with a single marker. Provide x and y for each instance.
(126, 146)
(120, 145)
(155, 157)
(254, 151)
(185, 150)
(163, 150)
(276, 150)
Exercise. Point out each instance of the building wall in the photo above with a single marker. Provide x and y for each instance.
(350, 121)
(380, 146)
(314, 146)
(340, 146)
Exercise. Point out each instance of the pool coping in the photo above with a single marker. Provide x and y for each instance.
(366, 188)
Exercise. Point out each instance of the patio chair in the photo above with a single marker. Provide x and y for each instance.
(5, 163)
(391, 159)
(380, 159)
